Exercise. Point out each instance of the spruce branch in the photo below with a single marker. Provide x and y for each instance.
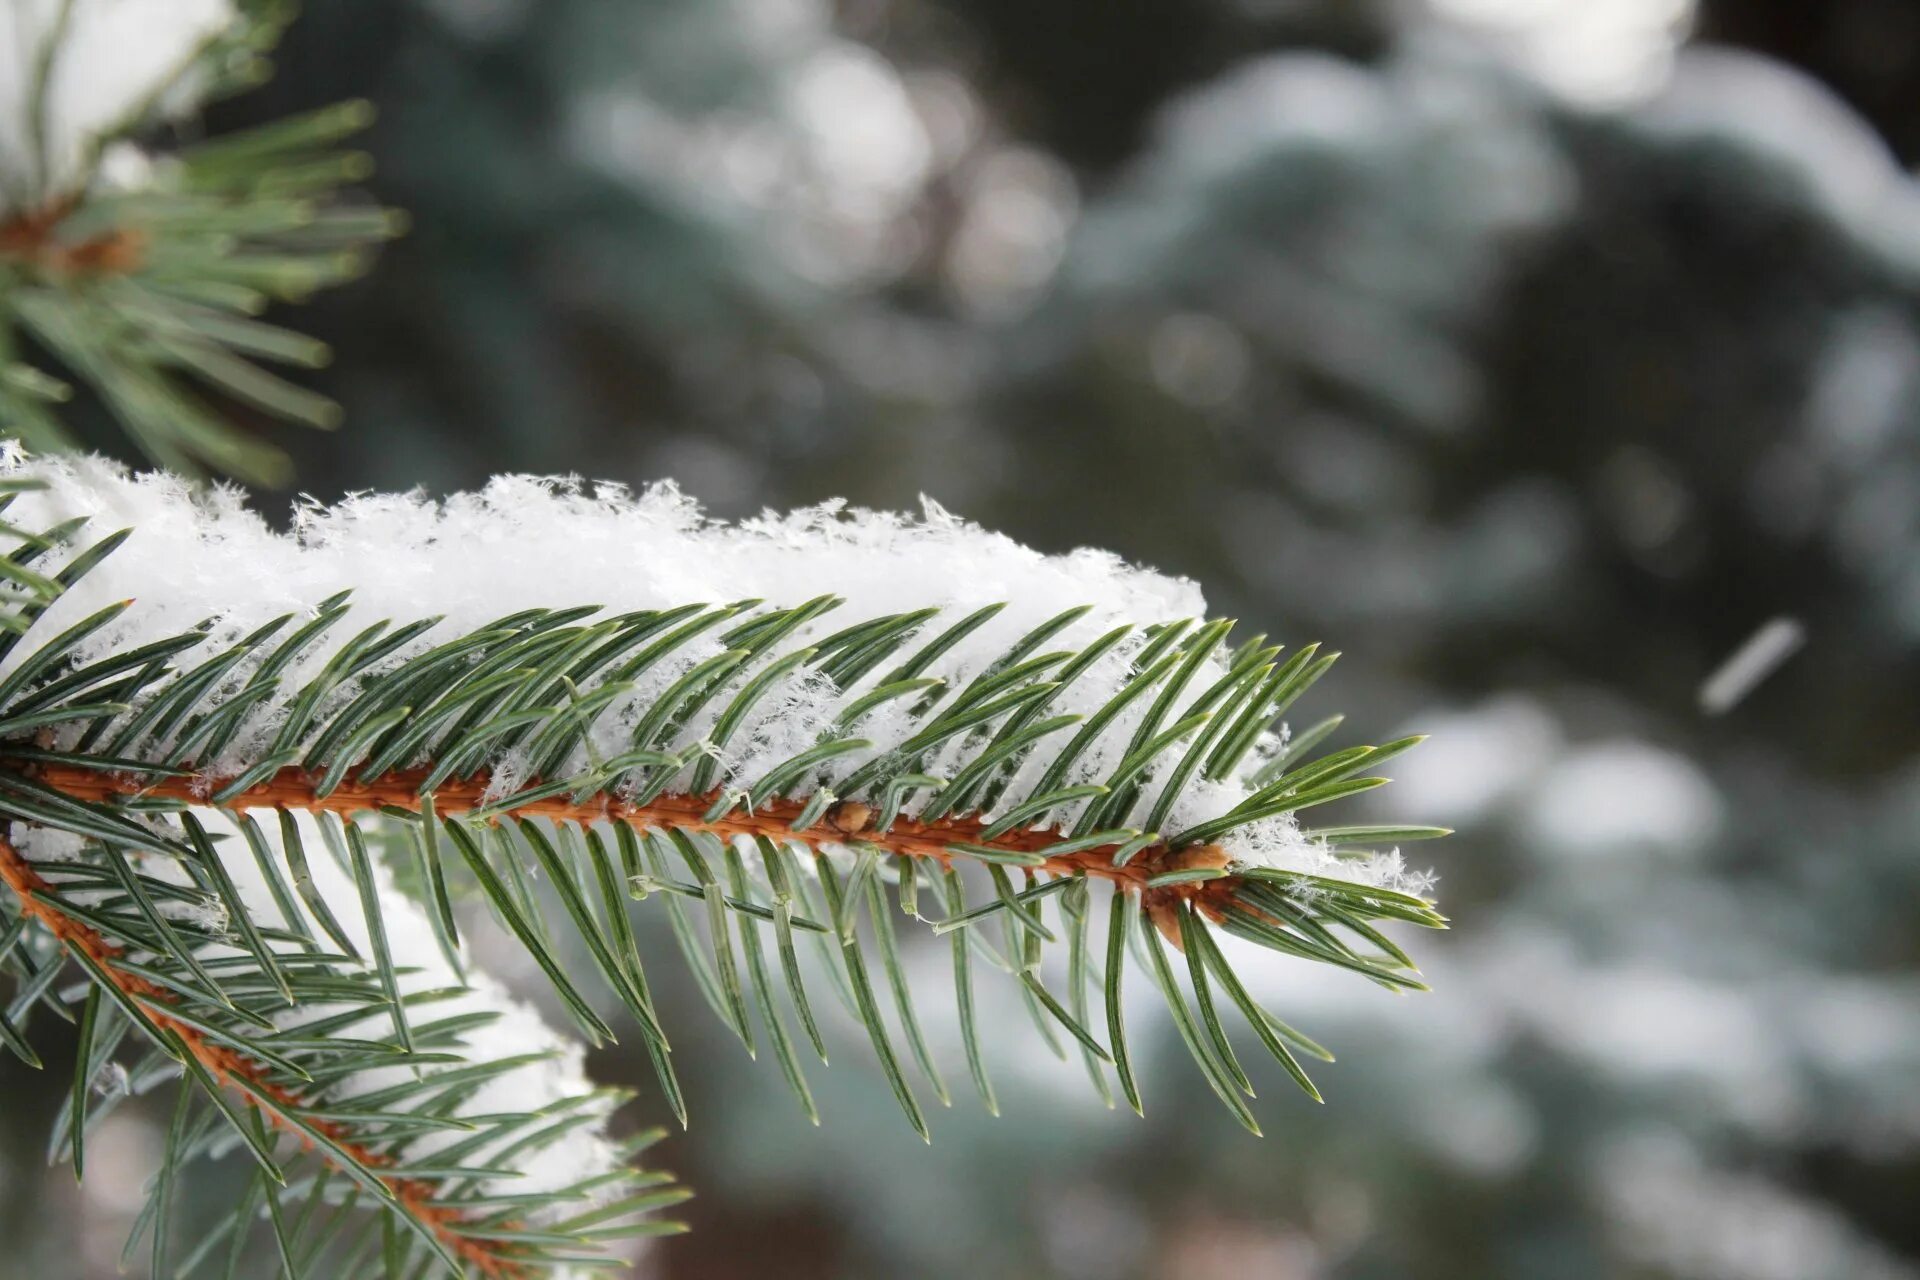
(141, 273)
(153, 1007)
(836, 773)
(281, 1037)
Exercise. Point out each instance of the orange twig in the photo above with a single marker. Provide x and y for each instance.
(34, 237)
(295, 789)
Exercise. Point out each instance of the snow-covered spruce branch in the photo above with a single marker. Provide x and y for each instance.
(557, 700)
(139, 273)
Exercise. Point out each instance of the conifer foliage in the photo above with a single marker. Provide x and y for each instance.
(260, 788)
(137, 270)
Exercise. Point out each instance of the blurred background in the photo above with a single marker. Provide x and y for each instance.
(1534, 353)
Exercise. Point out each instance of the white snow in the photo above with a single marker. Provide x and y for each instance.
(524, 542)
(1758, 657)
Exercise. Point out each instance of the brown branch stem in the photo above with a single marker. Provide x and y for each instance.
(33, 237)
(296, 789)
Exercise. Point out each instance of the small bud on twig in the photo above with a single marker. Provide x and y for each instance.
(849, 817)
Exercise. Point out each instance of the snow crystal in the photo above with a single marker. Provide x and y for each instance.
(44, 844)
(110, 1081)
(207, 914)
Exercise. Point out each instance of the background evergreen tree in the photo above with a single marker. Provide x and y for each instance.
(1642, 386)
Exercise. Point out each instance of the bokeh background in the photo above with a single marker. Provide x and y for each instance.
(1531, 352)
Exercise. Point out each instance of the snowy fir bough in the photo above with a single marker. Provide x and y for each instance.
(258, 790)
(262, 785)
(136, 271)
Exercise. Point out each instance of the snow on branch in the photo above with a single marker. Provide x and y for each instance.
(559, 695)
(199, 557)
